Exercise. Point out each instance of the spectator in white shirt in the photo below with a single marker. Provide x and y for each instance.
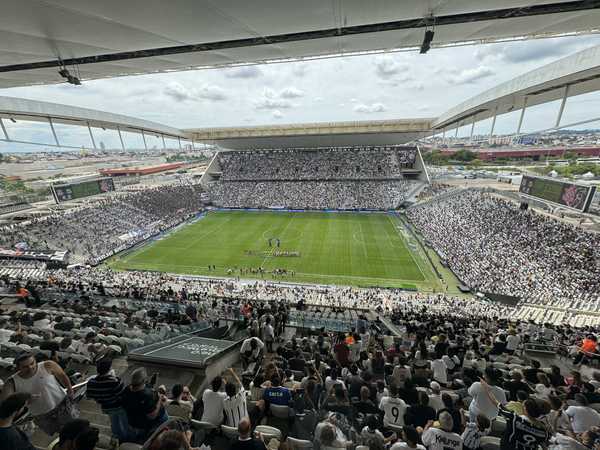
(481, 403)
(435, 398)
(411, 440)
(393, 408)
(512, 341)
(440, 371)
(213, 402)
(442, 438)
(234, 405)
(250, 351)
(582, 416)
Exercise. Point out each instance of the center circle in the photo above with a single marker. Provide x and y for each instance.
(291, 234)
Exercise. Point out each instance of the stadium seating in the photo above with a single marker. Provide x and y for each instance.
(330, 178)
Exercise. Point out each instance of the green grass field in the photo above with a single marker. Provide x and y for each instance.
(335, 248)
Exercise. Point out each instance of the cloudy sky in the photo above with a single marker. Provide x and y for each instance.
(369, 87)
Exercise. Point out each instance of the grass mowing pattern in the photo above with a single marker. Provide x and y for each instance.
(335, 248)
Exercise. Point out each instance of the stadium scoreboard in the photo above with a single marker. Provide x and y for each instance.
(561, 193)
(73, 191)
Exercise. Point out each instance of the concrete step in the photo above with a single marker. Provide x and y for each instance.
(96, 418)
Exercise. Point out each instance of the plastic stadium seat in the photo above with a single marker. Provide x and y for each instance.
(6, 363)
(294, 444)
(595, 406)
(498, 427)
(490, 443)
(116, 349)
(52, 444)
(200, 425)
(280, 411)
(130, 446)
(179, 411)
(230, 433)
(298, 375)
(269, 432)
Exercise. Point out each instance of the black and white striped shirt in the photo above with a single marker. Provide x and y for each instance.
(235, 408)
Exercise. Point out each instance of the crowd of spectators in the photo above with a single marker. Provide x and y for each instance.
(494, 246)
(102, 227)
(365, 194)
(316, 164)
(455, 371)
(331, 178)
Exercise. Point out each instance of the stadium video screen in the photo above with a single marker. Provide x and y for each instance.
(73, 191)
(562, 193)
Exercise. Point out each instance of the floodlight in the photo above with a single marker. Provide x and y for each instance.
(64, 72)
(426, 45)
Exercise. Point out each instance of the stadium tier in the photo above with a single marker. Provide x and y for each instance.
(94, 231)
(493, 246)
(326, 178)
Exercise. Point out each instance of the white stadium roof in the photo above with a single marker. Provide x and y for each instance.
(97, 39)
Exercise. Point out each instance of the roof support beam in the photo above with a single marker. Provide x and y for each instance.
(53, 131)
(562, 105)
(493, 123)
(522, 115)
(407, 24)
(121, 138)
(91, 136)
(144, 138)
(4, 130)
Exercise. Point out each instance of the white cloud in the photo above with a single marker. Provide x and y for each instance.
(418, 86)
(468, 76)
(212, 92)
(369, 109)
(180, 93)
(271, 100)
(177, 92)
(244, 72)
(277, 114)
(299, 69)
(386, 66)
(291, 92)
(528, 50)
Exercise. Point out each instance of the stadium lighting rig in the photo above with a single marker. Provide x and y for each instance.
(426, 45)
(428, 37)
(72, 79)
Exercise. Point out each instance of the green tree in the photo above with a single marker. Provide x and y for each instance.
(464, 155)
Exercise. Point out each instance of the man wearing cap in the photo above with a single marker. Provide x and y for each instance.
(50, 406)
(145, 411)
(441, 438)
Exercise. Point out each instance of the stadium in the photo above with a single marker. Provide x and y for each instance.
(305, 285)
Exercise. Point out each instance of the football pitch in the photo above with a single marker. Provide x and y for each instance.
(360, 249)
